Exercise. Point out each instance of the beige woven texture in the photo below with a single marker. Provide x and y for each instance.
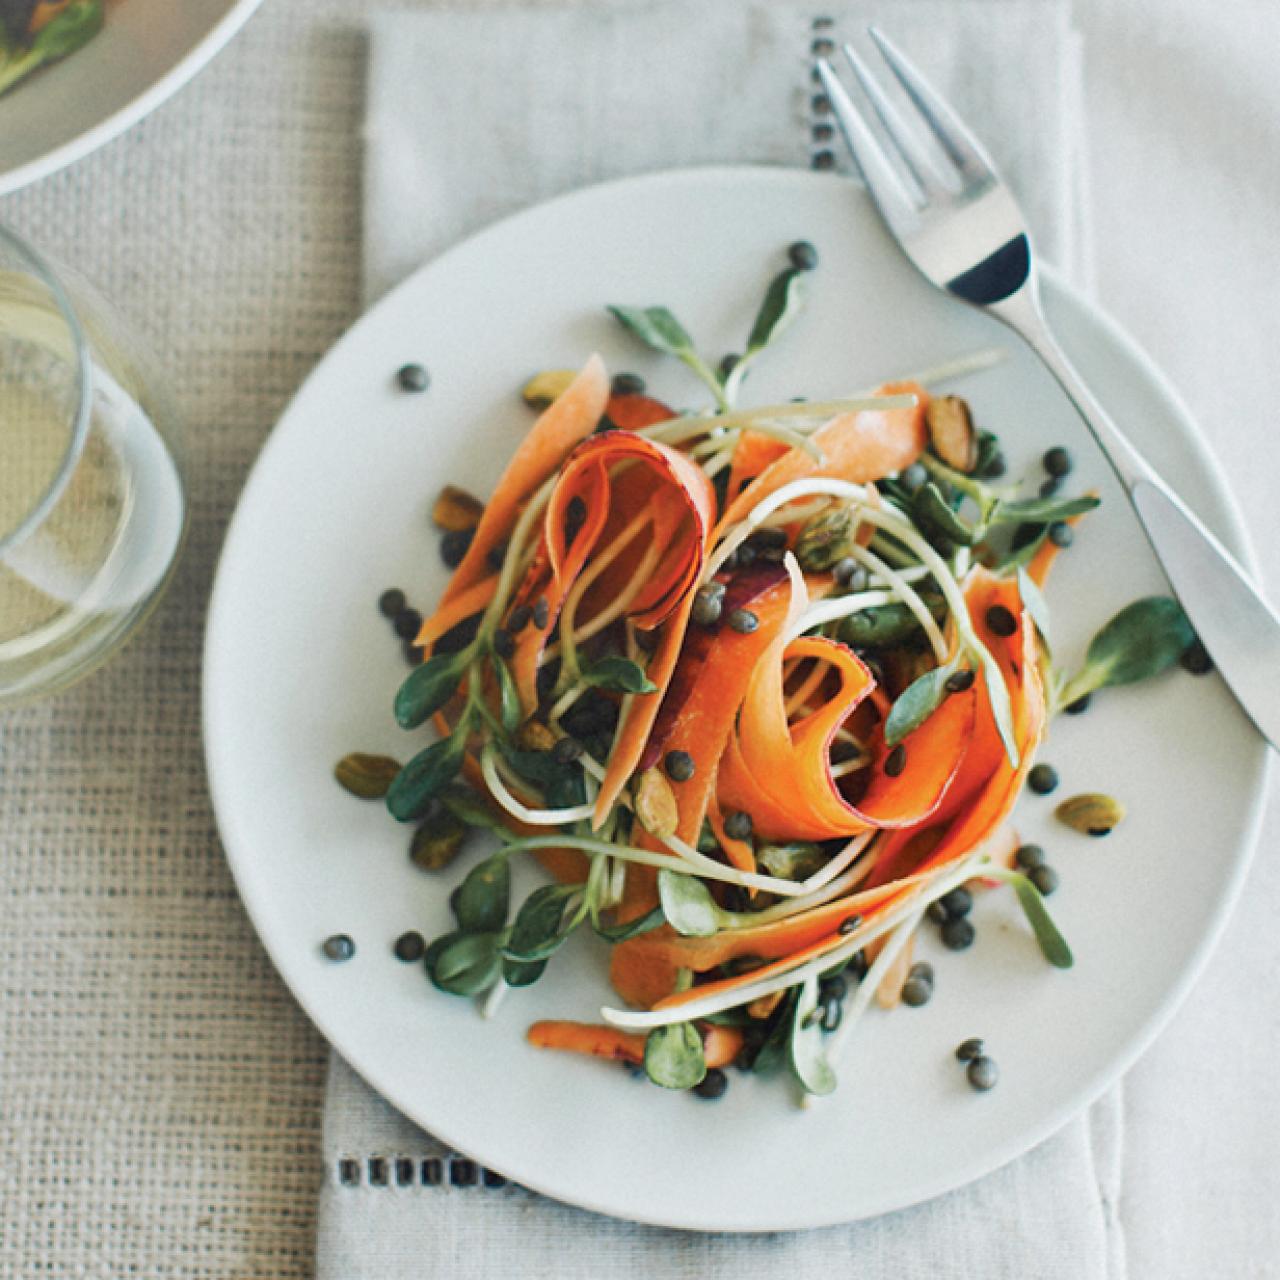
(159, 1091)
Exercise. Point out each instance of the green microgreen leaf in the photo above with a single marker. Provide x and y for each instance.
(469, 807)
(425, 776)
(775, 1050)
(617, 674)
(933, 510)
(540, 926)
(807, 1055)
(783, 301)
(428, 687)
(1035, 604)
(656, 327)
(510, 711)
(688, 905)
(1050, 940)
(795, 861)
(917, 702)
(673, 1056)
(467, 964)
(631, 928)
(888, 624)
(1001, 707)
(1042, 510)
(483, 899)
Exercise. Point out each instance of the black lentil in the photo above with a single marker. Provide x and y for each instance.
(849, 925)
(958, 934)
(566, 751)
(504, 644)
(1195, 659)
(1029, 856)
(850, 574)
(407, 623)
(858, 965)
(413, 377)
(1050, 486)
(1045, 878)
(833, 988)
(959, 681)
(679, 766)
(914, 478)
(743, 621)
(391, 602)
(969, 1049)
(454, 546)
(896, 761)
(520, 618)
(959, 902)
(1043, 779)
(746, 555)
(713, 1085)
(1081, 704)
(921, 969)
(1061, 534)
(1057, 462)
(706, 608)
(628, 384)
(737, 825)
(1001, 621)
(983, 1073)
(541, 612)
(338, 947)
(937, 912)
(804, 257)
(768, 538)
(916, 991)
(410, 946)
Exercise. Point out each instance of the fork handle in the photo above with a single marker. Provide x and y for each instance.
(1234, 622)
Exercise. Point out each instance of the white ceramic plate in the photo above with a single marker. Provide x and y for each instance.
(147, 50)
(300, 669)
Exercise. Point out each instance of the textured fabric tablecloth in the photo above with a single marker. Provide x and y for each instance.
(159, 1092)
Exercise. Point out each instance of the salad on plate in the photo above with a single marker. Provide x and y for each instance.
(759, 687)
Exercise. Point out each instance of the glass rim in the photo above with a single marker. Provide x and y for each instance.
(45, 273)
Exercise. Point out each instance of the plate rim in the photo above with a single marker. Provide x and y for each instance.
(145, 101)
(1139, 1039)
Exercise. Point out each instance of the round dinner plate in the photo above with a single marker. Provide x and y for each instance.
(146, 51)
(300, 669)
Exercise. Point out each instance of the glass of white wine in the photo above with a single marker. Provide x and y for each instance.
(93, 507)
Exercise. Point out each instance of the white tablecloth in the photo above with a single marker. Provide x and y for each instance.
(159, 1092)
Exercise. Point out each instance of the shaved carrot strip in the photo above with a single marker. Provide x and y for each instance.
(720, 1045)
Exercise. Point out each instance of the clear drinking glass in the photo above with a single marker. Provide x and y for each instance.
(93, 508)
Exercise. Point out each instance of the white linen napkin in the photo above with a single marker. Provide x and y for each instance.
(471, 116)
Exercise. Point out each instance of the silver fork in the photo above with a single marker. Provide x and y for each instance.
(956, 220)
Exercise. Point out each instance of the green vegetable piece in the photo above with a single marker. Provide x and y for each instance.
(620, 675)
(775, 1051)
(933, 510)
(418, 783)
(468, 807)
(73, 28)
(482, 901)
(807, 1058)
(888, 624)
(656, 327)
(427, 688)
(1001, 707)
(1142, 640)
(825, 539)
(467, 964)
(673, 1056)
(783, 301)
(522, 973)
(632, 928)
(1051, 942)
(437, 842)
(688, 905)
(509, 697)
(917, 702)
(796, 861)
(539, 928)
(561, 782)
(1035, 604)
(1042, 510)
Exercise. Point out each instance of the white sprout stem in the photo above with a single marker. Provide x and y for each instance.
(764, 417)
(832, 610)
(871, 982)
(644, 1020)
(808, 687)
(617, 882)
(847, 857)
(648, 858)
(700, 864)
(597, 566)
(960, 367)
(565, 701)
(714, 443)
(851, 765)
(515, 547)
(717, 463)
(534, 817)
(907, 594)
(493, 998)
(624, 599)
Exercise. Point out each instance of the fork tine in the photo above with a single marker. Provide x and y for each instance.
(891, 194)
(911, 148)
(954, 135)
